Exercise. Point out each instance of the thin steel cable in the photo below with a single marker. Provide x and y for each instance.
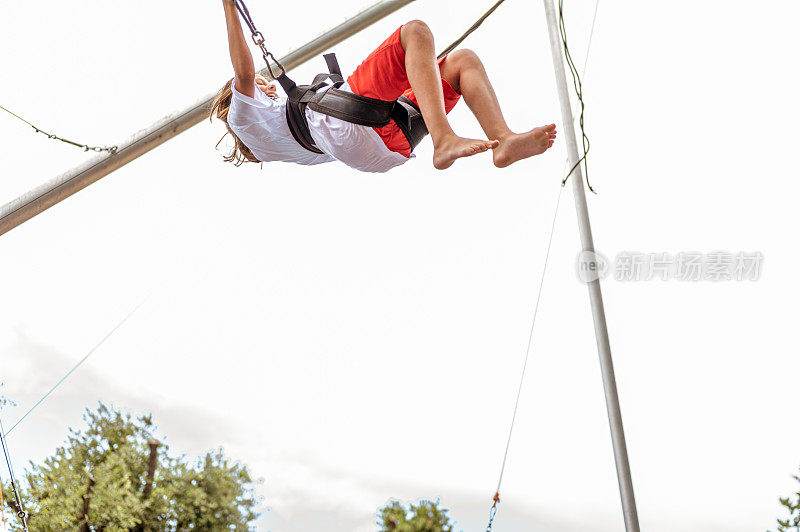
(541, 284)
(589, 44)
(530, 334)
(86, 147)
(76, 366)
(496, 498)
(14, 487)
(493, 510)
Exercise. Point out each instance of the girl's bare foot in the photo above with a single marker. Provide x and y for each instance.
(518, 146)
(453, 147)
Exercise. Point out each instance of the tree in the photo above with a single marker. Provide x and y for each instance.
(113, 477)
(792, 522)
(425, 516)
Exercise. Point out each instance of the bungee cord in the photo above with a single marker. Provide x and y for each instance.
(472, 28)
(86, 147)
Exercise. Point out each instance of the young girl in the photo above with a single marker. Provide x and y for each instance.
(405, 64)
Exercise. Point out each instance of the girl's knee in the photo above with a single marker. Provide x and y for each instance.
(464, 57)
(458, 62)
(416, 29)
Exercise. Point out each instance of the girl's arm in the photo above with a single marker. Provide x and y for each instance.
(240, 53)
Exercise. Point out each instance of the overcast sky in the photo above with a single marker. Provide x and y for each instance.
(354, 337)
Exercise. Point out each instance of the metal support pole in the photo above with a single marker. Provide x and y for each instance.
(45, 196)
(595, 295)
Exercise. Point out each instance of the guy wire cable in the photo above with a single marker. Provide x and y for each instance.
(496, 498)
(14, 486)
(76, 366)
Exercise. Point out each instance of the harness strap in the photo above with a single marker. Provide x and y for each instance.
(354, 108)
(408, 117)
(333, 64)
(295, 114)
(299, 129)
(286, 82)
(351, 107)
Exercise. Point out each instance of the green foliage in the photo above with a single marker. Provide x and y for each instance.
(425, 516)
(3, 399)
(792, 522)
(107, 464)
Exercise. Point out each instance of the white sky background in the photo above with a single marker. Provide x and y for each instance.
(355, 337)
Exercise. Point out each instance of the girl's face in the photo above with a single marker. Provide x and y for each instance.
(270, 89)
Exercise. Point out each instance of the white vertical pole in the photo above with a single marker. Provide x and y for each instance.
(595, 295)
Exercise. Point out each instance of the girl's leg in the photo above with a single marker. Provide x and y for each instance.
(425, 79)
(464, 71)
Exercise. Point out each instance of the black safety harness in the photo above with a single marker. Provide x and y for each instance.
(327, 98)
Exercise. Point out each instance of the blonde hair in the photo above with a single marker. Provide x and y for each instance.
(222, 104)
